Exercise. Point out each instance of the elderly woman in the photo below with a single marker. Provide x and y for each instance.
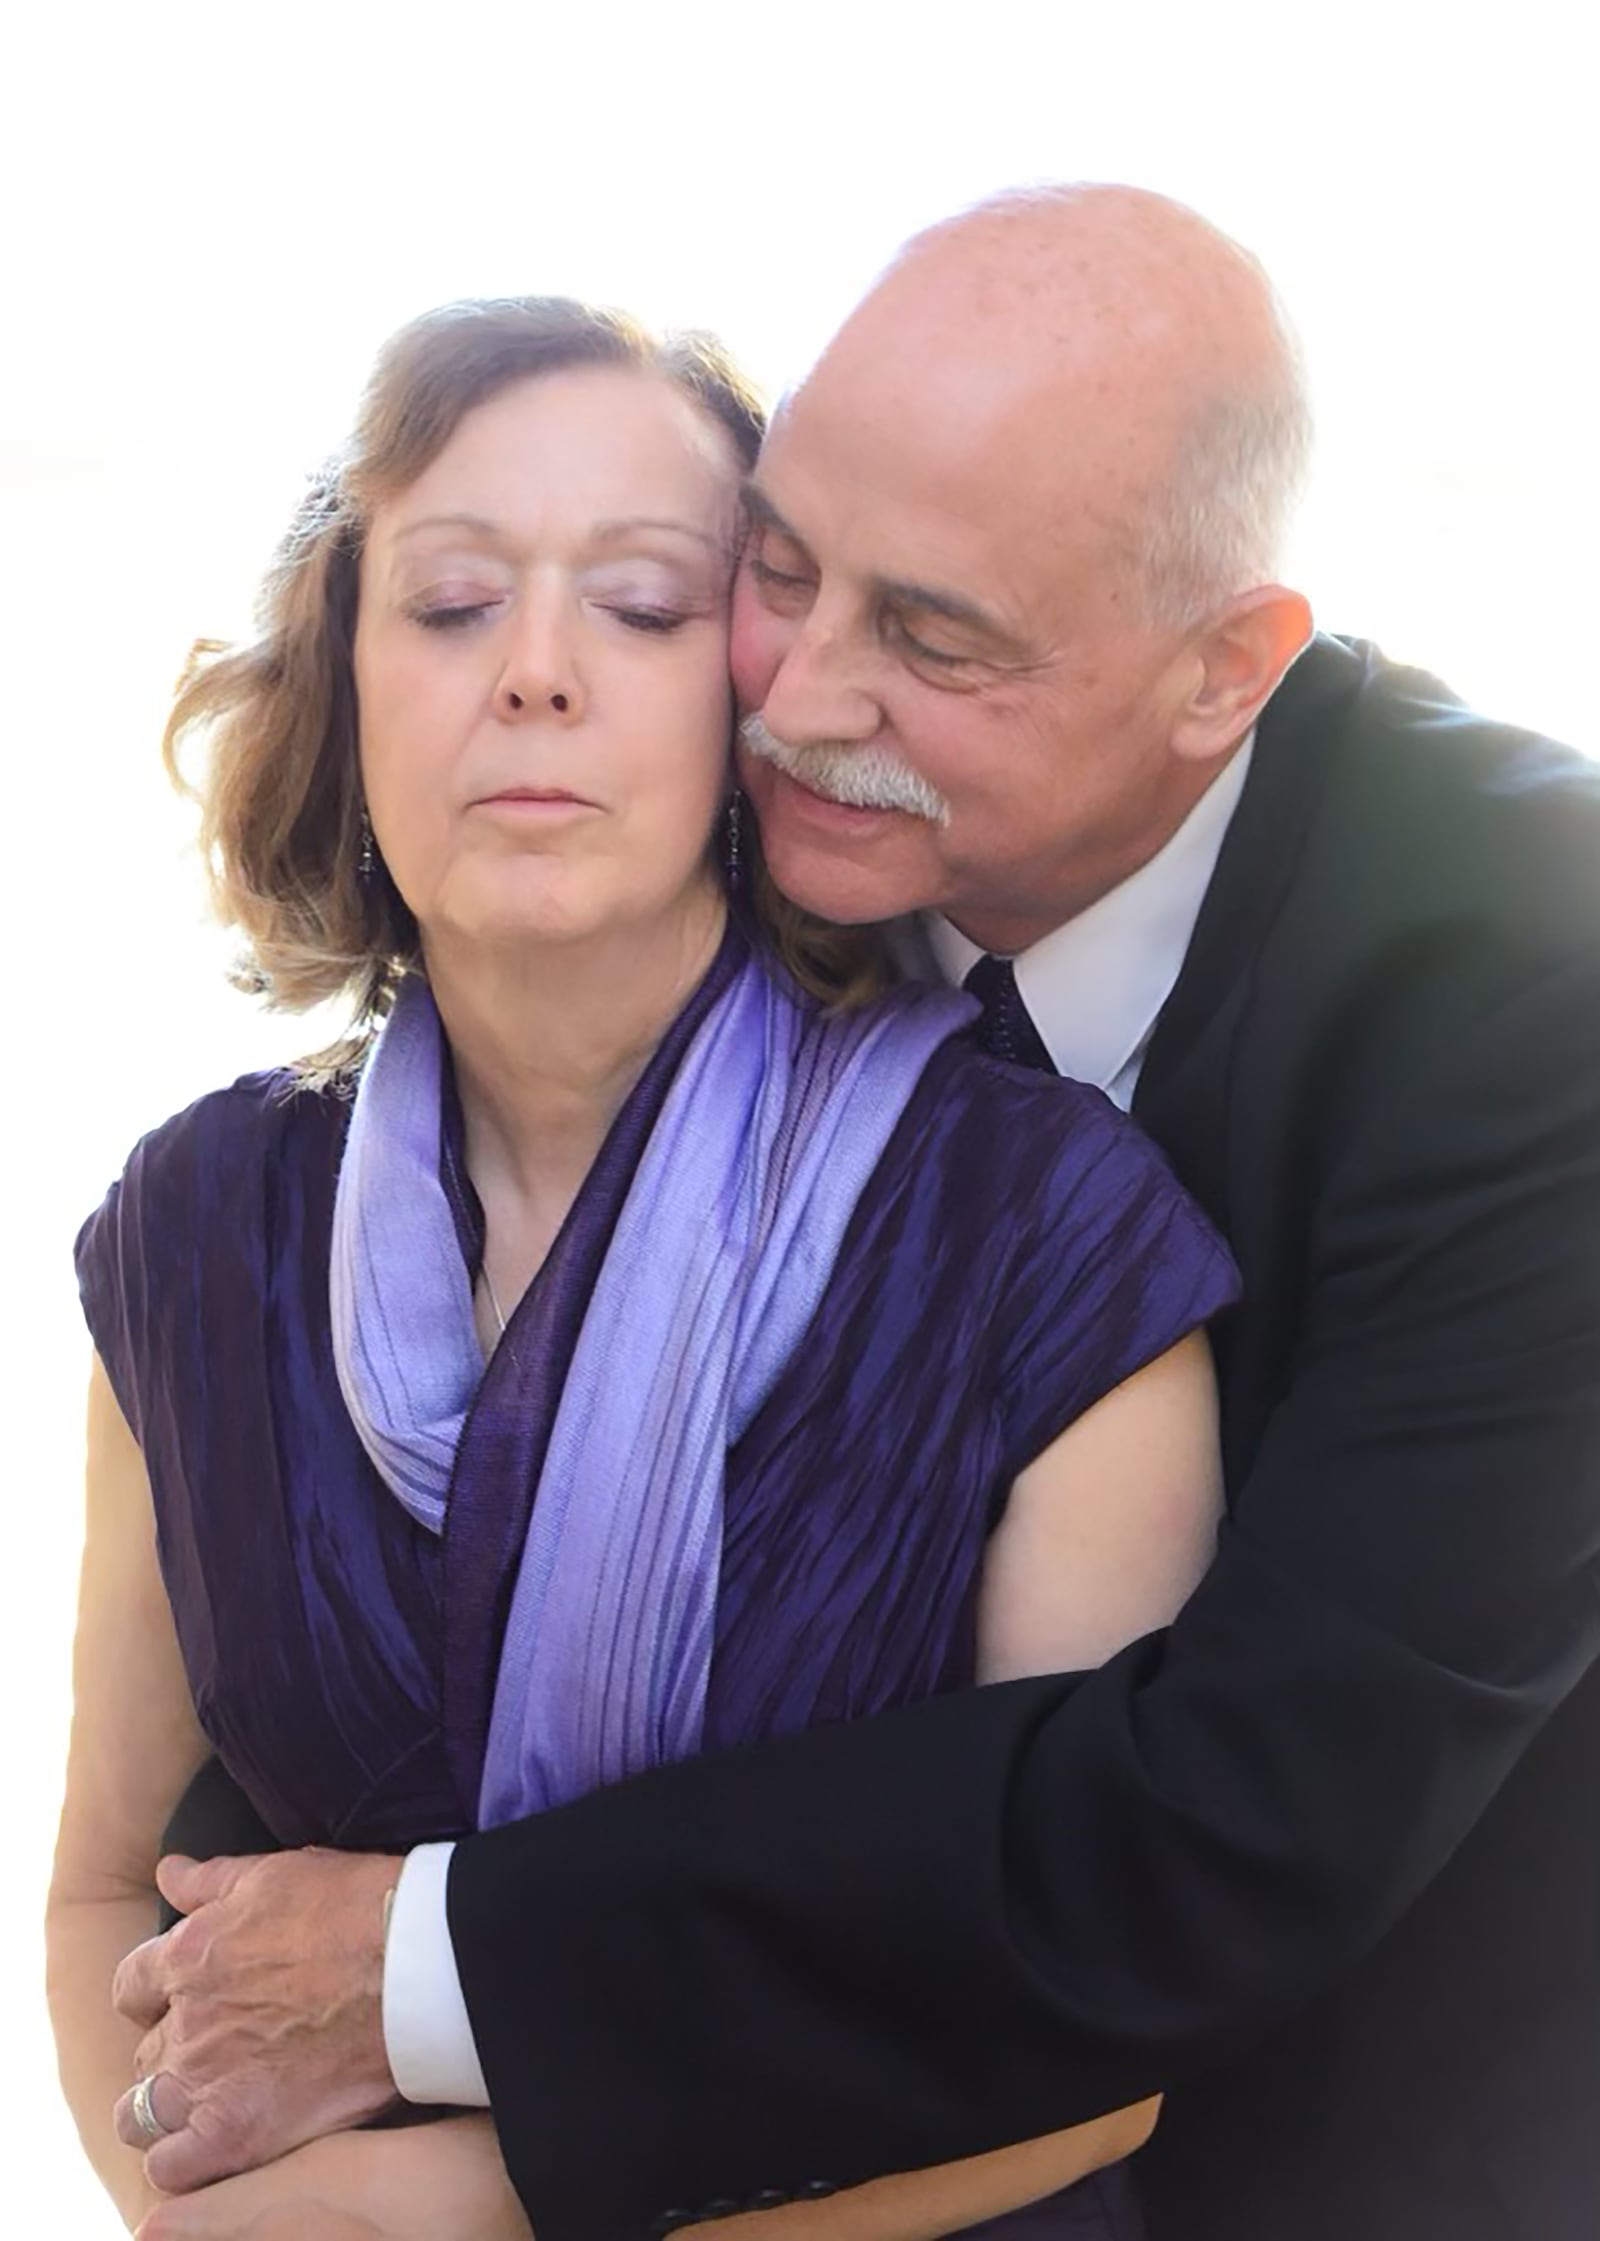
(627, 1344)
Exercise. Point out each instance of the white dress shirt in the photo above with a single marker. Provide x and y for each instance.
(1093, 989)
(1095, 986)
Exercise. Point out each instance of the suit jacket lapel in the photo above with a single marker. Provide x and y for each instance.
(1184, 1084)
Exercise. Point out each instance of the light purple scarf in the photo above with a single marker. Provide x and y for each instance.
(775, 1120)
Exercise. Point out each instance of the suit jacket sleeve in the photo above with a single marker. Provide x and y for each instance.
(881, 1946)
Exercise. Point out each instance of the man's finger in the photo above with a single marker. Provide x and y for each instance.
(267, 2004)
(220, 2140)
(167, 2103)
(186, 1884)
(152, 2054)
(140, 1990)
(228, 2211)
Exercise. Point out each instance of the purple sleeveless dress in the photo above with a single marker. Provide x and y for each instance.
(1020, 1249)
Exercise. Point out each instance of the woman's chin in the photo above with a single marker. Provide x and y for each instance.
(560, 916)
(516, 915)
(496, 933)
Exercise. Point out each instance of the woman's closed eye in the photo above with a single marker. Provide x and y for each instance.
(462, 614)
(660, 620)
(648, 597)
(451, 613)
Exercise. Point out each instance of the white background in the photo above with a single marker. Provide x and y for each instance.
(213, 214)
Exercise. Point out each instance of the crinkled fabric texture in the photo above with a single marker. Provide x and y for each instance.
(1019, 1251)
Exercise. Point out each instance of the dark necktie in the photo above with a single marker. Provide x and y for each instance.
(1005, 1030)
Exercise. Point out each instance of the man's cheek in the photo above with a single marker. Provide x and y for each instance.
(756, 644)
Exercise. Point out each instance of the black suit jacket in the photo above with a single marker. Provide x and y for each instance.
(1323, 1861)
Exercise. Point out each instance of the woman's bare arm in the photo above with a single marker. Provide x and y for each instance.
(135, 1744)
(1106, 1535)
(437, 2182)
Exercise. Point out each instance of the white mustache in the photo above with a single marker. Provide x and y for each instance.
(859, 777)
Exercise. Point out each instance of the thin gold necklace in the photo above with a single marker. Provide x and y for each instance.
(488, 1285)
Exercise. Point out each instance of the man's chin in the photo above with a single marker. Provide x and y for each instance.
(840, 903)
(849, 890)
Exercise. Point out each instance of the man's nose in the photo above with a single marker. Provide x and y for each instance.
(820, 690)
(541, 674)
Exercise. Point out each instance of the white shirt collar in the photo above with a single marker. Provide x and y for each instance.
(1094, 986)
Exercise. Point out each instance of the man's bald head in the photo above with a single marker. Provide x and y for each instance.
(1009, 601)
(1127, 328)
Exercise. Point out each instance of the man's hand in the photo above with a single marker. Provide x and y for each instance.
(432, 2182)
(263, 2011)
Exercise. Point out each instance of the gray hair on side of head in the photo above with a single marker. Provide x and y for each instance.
(1219, 523)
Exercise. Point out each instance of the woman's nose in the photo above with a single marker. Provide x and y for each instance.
(541, 675)
(515, 701)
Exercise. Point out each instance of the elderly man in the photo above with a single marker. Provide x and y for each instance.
(1321, 1862)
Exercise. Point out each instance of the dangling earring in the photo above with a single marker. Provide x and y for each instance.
(367, 854)
(732, 844)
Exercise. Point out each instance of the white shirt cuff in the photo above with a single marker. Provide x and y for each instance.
(425, 2029)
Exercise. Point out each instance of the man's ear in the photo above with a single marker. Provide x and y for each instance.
(1240, 656)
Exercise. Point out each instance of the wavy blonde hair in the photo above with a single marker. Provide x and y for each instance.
(280, 796)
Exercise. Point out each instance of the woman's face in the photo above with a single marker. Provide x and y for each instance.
(541, 662)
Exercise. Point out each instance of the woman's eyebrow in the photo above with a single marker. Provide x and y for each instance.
(479, 524)
(605, 532)
(609, 532)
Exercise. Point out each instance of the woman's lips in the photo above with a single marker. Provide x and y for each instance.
(533, 793)
(535, 802)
